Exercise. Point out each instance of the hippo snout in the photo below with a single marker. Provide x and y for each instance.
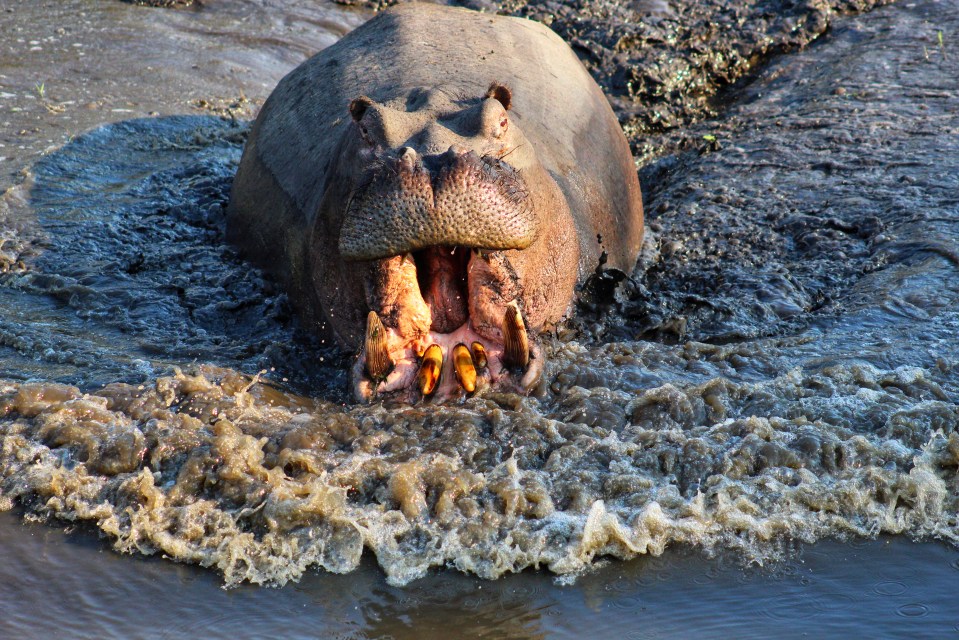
(407, 202)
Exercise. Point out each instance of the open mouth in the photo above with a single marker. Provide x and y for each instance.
(444, 322)
(443, 279)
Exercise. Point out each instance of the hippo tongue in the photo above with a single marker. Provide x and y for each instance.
(441, 273)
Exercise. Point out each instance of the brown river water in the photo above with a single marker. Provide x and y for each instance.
(757, 435)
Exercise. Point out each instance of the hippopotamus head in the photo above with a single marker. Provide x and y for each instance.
(455, 225)
(432, 188)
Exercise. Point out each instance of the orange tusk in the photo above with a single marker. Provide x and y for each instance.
(429, 375)
(463, 367)
(479, 355)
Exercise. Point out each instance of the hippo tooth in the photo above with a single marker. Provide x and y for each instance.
(479, 355)
(378, 361)
(463, 367)
(429, 375)
(515, 340)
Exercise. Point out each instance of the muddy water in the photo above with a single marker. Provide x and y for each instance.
(877, 588)
(783, 367)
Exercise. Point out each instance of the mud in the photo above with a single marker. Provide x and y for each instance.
(664, 64)
(164, 3)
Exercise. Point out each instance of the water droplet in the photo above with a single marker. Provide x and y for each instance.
(913, 610)
(628, 603)
(889, 588)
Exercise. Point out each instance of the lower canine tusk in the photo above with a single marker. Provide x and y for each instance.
(515, 340)
(429, 374)
(463, 367)
(378, 361)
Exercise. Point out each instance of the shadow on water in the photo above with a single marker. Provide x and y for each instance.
(136, 270)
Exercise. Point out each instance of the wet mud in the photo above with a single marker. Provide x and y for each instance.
(664, 64)
(163, 3)
(782, 365)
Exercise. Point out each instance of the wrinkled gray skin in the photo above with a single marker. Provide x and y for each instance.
(436, 165)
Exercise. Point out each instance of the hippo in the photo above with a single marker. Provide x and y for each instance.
(431, 190)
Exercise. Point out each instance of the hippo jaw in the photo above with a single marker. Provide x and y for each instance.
(441, 227)
(445, 296)
(442, 213)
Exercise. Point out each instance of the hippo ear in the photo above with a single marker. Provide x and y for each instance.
(500, 92)
(359, 106)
